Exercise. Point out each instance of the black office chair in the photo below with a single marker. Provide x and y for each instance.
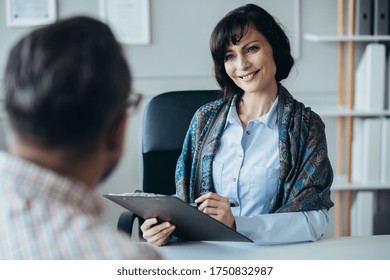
(166, 120)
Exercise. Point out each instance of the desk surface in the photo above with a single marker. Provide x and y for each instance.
(348, 248)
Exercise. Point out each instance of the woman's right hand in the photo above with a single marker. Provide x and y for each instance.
(157, 234)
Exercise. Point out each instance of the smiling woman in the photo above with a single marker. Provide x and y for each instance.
(250, 63)
(257, 145)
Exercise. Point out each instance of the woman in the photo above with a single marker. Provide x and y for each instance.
(255, 160)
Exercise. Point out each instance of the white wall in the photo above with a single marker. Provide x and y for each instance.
(178, 58)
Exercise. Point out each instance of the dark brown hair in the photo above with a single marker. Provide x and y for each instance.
(66, 83)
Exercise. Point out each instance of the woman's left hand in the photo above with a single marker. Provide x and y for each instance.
(216, 206)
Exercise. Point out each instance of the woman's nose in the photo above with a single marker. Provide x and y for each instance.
(242, 62)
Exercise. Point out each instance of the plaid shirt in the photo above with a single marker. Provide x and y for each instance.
(46, 216)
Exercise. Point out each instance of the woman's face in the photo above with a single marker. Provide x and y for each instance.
(250, 63)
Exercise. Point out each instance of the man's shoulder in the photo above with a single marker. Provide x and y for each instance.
(52, 229)
(96, 239)
(100, 241)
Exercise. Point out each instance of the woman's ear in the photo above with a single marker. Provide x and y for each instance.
(115, 137)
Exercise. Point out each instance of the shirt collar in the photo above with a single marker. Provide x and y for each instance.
(270, 119)
(232, 117)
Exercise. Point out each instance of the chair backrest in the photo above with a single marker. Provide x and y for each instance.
(166, 120)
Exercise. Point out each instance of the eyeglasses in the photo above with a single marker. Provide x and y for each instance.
(133, 102)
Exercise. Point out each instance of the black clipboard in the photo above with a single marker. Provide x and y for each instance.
(191, 224)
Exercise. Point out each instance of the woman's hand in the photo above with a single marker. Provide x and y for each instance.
(157, 234)
(217, 207)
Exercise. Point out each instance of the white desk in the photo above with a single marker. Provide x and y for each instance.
(341, 248)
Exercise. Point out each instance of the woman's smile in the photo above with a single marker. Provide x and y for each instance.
(250, 76)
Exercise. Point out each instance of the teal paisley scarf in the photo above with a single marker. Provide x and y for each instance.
(306, 174)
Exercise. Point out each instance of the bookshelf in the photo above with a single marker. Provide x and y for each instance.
(345, 114)
(346, 38)
(340, 183)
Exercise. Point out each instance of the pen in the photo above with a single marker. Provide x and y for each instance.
(232, 203)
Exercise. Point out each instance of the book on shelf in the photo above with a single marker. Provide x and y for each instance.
(363, 15)
(366, 151)
(387, 95)
(372, 17)
(370, 79)
(362, 213)
(357, 146)
(385, 172)
(366, 169)
(381, 17)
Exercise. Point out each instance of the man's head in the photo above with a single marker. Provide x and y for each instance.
(67, 85)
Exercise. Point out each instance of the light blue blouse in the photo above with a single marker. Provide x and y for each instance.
(246, 170)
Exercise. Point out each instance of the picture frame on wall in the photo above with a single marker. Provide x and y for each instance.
(128, 19)
(21, 13)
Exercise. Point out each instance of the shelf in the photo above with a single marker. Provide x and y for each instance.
(346, 38)
(340, 184)
(344, 112)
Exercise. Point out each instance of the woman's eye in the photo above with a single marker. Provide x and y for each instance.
(228, 57)
(252, 48)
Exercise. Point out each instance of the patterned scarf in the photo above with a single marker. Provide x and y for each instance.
(306, 174)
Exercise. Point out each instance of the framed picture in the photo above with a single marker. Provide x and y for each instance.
(21, 13)
(128, 19)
